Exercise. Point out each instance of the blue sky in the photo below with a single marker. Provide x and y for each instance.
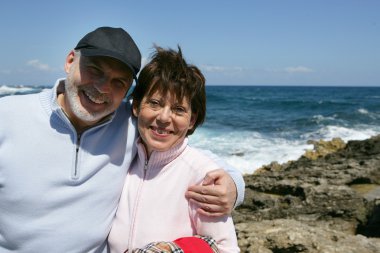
(268, 42)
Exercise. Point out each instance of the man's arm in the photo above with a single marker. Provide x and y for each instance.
(221, 191)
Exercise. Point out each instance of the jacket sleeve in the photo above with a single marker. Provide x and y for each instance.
(234, 173)
(220, 229)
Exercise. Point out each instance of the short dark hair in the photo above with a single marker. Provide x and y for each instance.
(168, 72)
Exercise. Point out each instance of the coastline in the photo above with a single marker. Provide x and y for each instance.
(326, 201)
(254, 125)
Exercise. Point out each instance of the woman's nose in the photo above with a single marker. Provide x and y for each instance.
(164, 114)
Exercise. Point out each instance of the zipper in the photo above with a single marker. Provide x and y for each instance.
(145, 167)
(75, 174)
(63, 115)
(135, 209)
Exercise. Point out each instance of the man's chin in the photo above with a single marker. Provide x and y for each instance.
(89, 119)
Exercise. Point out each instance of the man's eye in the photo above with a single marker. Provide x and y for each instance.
(120, 84)
(94, 71)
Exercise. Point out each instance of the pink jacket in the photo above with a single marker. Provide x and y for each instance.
(153, 206)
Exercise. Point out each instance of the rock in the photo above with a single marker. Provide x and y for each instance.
(329, 203)
(322, 148)
(291, 236)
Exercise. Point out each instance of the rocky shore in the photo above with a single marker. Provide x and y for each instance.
(326, 201)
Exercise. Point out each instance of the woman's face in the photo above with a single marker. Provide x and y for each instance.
(163, 121)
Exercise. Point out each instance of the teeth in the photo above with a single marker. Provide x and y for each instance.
(96, 100)
(161, 131)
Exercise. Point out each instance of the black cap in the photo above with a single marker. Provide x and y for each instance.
(112, 42)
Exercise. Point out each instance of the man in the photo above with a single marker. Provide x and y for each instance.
(64, 153)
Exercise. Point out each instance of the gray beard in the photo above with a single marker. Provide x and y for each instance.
(76, 107)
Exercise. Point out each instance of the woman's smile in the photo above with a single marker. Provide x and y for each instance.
(160, 131)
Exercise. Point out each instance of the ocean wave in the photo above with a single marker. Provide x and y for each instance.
(363, 111)
(356, 133)
(248, 151)
(320, 118)
(10, 90)
(366, 113)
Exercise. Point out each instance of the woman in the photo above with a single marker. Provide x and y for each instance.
(169, 103)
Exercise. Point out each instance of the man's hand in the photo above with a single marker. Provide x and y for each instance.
(217, 194)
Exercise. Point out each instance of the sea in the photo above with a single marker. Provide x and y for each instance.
(252, 126)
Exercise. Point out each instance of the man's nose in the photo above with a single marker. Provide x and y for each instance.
(103, 84)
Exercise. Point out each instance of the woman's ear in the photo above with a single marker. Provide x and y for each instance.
(193, 119)
(135, 108)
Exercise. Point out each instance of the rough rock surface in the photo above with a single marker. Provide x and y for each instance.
(330, 203)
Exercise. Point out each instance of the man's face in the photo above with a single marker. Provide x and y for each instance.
(95, 87)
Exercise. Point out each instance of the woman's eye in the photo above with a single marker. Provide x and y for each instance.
(154, 103)
(179, 110)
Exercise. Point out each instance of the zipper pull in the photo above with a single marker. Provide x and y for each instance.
(145, 167)
(78, 142)
(76, 155)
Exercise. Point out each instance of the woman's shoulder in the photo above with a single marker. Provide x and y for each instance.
(198, 160)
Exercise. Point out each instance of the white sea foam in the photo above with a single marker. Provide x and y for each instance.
(363, 111)
(248, 151)
(10, 90)
(346, 134)
(372, 115)
(320, 118)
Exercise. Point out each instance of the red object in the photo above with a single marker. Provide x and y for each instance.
(193, 245)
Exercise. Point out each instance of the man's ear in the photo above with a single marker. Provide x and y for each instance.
(69, 61)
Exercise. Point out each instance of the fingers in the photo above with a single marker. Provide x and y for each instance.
(210, 209)
(209, 190)
(213, 176)
(211, 200)
(202, 194)
(217, 194)
(210, 214)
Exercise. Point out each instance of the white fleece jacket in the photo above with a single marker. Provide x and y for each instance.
(59, 191)
(153, 206)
